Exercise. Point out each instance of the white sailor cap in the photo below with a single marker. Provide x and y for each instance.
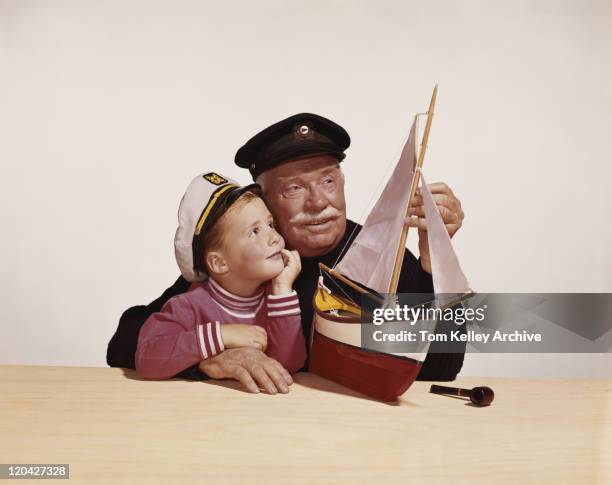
(206, 199)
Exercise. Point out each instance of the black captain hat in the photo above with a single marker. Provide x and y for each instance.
(290, 139)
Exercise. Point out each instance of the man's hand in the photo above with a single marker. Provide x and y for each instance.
(251, 367)
(283, 282)
(450, 210)
(244, 335)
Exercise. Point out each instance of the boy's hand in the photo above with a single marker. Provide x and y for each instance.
(242, 335)
(283, 282)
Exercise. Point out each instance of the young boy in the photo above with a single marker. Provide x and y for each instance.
(242, 277)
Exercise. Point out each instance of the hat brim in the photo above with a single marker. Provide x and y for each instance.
(233, 195)
(292, 154)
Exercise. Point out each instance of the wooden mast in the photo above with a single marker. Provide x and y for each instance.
(399, 256)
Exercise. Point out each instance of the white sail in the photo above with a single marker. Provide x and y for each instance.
(446, 272)
(371, 256)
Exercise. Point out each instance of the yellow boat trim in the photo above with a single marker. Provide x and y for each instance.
(326, 302)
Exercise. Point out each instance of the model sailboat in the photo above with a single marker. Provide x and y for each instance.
(372, 264)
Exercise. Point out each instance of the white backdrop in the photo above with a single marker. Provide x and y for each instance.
(108, 109)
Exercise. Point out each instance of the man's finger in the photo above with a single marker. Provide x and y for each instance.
(417, 211)
(275, 374)
(452, 229)
(440, 188)
(443, 200)
(282, 371)
(460, 213)
(243, 376)
(416, 201)
(448, 216)
(418, 222)
(421, 224)
(262, 378)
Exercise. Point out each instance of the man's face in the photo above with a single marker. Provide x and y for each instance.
(306, 197)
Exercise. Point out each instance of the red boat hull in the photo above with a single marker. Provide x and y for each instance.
(381, 376)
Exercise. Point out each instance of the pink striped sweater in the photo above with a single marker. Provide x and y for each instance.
(187, 330)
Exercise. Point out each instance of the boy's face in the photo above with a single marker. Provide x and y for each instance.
(251, 245)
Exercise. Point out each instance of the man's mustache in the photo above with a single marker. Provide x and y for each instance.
(304, 218)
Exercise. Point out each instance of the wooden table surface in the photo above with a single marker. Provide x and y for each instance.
(108, 425)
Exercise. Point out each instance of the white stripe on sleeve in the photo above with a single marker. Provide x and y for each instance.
(285, 303)
(219, 339)
(213, 350)
(279, 313)
(201, 340)
(278, 297)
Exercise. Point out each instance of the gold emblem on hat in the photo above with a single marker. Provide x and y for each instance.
(215, 178)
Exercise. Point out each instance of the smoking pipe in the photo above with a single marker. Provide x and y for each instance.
(480, 396)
